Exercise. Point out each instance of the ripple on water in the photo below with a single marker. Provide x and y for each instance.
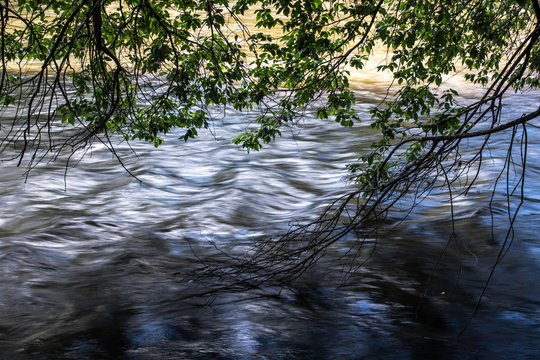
(97, 264)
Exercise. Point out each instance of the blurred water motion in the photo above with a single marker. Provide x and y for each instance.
(91, 267)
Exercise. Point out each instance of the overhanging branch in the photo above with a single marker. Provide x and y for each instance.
(523, 119)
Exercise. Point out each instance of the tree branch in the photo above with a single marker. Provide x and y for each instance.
(536, 8)
(523, 119)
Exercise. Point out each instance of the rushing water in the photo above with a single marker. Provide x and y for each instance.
(92, 264)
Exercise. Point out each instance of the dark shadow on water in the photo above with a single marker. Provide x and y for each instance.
(409, 301)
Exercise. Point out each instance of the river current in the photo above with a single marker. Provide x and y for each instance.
(93, 261)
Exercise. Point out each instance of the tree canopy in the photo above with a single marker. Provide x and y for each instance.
(139, 68)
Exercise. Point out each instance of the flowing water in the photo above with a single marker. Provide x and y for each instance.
(93, 263)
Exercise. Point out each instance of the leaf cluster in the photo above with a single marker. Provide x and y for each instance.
(140, 68)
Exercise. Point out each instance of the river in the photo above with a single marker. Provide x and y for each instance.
(93, 263)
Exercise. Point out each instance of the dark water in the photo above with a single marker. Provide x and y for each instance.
(94, 267)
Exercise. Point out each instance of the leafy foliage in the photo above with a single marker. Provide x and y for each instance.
(141, 68)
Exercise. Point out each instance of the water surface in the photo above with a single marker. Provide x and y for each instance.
(93, 263)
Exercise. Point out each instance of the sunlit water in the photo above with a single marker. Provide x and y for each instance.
(93, 264)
